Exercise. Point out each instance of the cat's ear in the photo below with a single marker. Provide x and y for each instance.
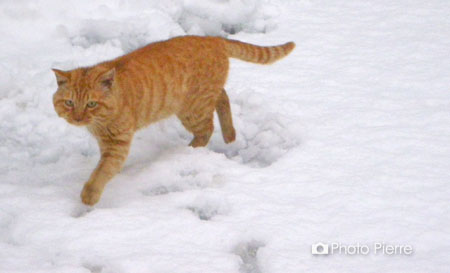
(107, 79)
(62, 77)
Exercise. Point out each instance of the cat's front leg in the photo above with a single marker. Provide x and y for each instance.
(114, 151)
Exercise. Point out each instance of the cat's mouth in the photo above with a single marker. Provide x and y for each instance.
(82, 122)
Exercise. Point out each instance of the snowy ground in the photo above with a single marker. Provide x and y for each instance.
(346, 140)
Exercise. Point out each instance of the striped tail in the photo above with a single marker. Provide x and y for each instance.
(257, 54)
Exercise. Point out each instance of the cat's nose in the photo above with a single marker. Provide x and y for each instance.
(78, 118)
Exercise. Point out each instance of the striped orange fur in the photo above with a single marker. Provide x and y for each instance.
(184, 76)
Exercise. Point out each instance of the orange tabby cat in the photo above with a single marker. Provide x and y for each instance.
(184, 76)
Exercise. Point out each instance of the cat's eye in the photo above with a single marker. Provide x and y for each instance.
(69, 103)
(91, 104)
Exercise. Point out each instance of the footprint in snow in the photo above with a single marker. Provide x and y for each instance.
(248, 251)
(207, 207)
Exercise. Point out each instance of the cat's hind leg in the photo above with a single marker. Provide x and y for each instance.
(201, 126)
(223, 110)
(197, 117)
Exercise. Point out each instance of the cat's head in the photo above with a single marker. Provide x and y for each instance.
(85, 95)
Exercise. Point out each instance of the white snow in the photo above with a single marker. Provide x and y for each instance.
(346, 140)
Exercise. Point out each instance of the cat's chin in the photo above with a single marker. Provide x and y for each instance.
(79, 123)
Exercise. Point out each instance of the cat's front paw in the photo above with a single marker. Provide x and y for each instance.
(90, 194)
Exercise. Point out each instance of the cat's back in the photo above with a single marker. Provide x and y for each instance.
(182, 48)
(182, 44)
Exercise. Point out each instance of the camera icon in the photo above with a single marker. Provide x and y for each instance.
(319, 249)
